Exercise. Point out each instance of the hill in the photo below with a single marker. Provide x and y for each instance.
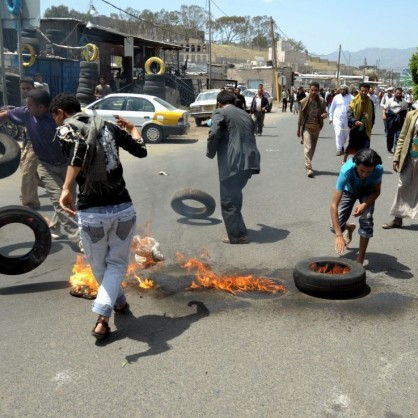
(387, 58)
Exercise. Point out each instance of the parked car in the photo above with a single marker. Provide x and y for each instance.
(156, 118)
(204, 105)
(249, 95)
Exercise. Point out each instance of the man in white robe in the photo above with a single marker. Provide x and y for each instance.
(338, 117)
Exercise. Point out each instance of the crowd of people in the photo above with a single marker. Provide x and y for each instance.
(65, 147)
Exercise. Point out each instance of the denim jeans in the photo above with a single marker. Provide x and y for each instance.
(345, 209)
(106, 234)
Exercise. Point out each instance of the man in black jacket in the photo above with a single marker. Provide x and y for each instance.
(232, 139)
(106, 216)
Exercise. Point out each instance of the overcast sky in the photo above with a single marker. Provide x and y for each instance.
(321, 25)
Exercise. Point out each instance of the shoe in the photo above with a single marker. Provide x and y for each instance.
(243, 240)
(123, 309)
(98, 335)
(348, 233)
(393, 224)
(55, 233)
(339, 153)
(80, 247)
(310, 174)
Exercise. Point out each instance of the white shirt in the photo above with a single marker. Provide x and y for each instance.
(395, 106)
(338, 109)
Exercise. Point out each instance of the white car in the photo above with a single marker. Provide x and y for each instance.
(249, 95)
(204, 105)
(156, 118)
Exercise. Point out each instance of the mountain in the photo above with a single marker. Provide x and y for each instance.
(387, 58)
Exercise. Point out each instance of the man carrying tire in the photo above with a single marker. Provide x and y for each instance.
(232, 138)
(360, 179)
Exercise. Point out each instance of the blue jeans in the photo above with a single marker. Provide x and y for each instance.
(345, 208)
(106, 234)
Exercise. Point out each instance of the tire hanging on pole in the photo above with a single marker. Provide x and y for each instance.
(155, 60)
(13, 6)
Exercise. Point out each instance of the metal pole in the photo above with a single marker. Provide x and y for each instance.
(210, 49)
(3, 71)
(338, 67)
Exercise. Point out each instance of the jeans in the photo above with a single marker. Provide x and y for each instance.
(345, 209)
(106, 234)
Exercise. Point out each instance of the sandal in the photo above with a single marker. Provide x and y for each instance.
(392, 224)
(121, 309)
(98, 335)
(243, 240)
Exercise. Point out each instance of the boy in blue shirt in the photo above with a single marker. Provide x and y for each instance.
(360, 179)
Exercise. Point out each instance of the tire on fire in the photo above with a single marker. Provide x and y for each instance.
(9, 155)
(314, 283)
(193, 212)
(40, 250)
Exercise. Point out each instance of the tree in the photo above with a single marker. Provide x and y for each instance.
(413, 66)
(230, 28)
(57, 11)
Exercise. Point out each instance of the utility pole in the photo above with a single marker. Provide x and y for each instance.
(338, 67)
(274, 57)
(210, 48)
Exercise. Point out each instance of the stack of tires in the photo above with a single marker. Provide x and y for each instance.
(88, 80)
(29, 37)
(154, 85)
(12, 89)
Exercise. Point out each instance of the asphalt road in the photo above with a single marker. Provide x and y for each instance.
(249, 355)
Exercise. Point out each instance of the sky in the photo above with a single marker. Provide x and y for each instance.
(322, 25)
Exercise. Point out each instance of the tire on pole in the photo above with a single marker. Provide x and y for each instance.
(154, 60)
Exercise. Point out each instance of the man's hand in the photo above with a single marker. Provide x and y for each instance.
(298, 133)
(67, 202)
(339, 244)
(324, 115)
(358, 123)
(359, 210)
(395, 166)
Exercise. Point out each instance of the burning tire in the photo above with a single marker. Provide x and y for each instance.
(9, 156)
(194, 212)
(330, 276)
(41, 247)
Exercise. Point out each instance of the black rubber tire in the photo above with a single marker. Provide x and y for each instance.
(11, 129)
(40, 250)
(9, 161)
(349, 284)
(89, 65)
(88, 81)
(155, 78)
(159, 84)
(152, 134)
(154, 90)
(178, 205)
(83, 90)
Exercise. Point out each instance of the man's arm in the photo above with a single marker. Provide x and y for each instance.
(3, 116)
(359, 209)
(339, 240)
(67, 199)
(215, 134)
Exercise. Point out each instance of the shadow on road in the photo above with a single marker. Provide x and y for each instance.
(155, 330)
(267, 234)
(199, 222)
(34, 287)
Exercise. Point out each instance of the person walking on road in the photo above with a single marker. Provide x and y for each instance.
(232, 139)
(360, 115)
(106, 216)
(394, 113)
(52, 163)
(338, 118)
(285, 98)
(360, 179)
(311, 121)
(258, 109)
(405, 161)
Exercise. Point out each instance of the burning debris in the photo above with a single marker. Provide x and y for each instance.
(207, 279)
(147, 251)
(329, 268)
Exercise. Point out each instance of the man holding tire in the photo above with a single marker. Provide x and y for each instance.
(232, 139)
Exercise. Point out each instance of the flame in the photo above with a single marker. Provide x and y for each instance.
(142, 283)
(82, 281)
(329, 268)
(207, 279)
